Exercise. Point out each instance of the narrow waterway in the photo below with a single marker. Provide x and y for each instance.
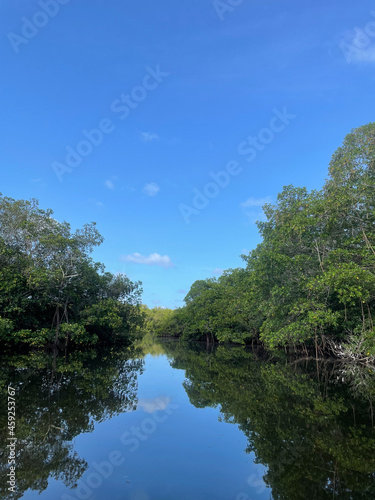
(176, 422)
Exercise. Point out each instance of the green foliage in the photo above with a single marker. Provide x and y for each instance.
(37, 338)
(149, 344)
(77, 334)
(47, 277)
(312, 278)
(158, 321)
(108, 320)
(6, 329)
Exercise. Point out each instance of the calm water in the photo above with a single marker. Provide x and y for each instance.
(182, 423)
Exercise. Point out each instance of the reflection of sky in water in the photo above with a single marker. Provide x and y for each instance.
(189, 455)
(154, 404)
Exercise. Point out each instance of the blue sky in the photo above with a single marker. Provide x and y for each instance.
(156, 98)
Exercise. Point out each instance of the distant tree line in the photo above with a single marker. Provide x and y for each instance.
(310, 283)
(51, 291)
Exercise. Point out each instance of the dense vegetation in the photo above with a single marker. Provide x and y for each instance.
(51, 291)
(310, 283)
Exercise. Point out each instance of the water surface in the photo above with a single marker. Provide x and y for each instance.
(177, 422)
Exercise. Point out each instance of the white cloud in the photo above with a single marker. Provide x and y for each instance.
(354, 54)
(151, 189)
(358, 45)
(252, 208)
(184, 292)
(96, 202)
(256, 202)
(365, 55)
(109, 184)
(155, 404)
(153, 259)
(149, 136)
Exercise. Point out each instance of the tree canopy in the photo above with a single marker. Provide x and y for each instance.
(311, 281)
(50, 288)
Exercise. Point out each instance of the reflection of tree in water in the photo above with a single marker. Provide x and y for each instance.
(150, 344)
(57, 399)
(314, 431)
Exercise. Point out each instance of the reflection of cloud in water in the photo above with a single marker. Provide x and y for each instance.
(154, 404)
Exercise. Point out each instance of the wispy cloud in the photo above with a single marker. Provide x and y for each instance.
(358, 44)
(151, 189)
(365, 55)
(96, 202)
(149, 136)
(252, 208)
(355, 53)
(155, 404)
(217, 271)
(254, 216)
(256, 202)
(39, 181)
(182, 291)
(109, 184)
(153, 259)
